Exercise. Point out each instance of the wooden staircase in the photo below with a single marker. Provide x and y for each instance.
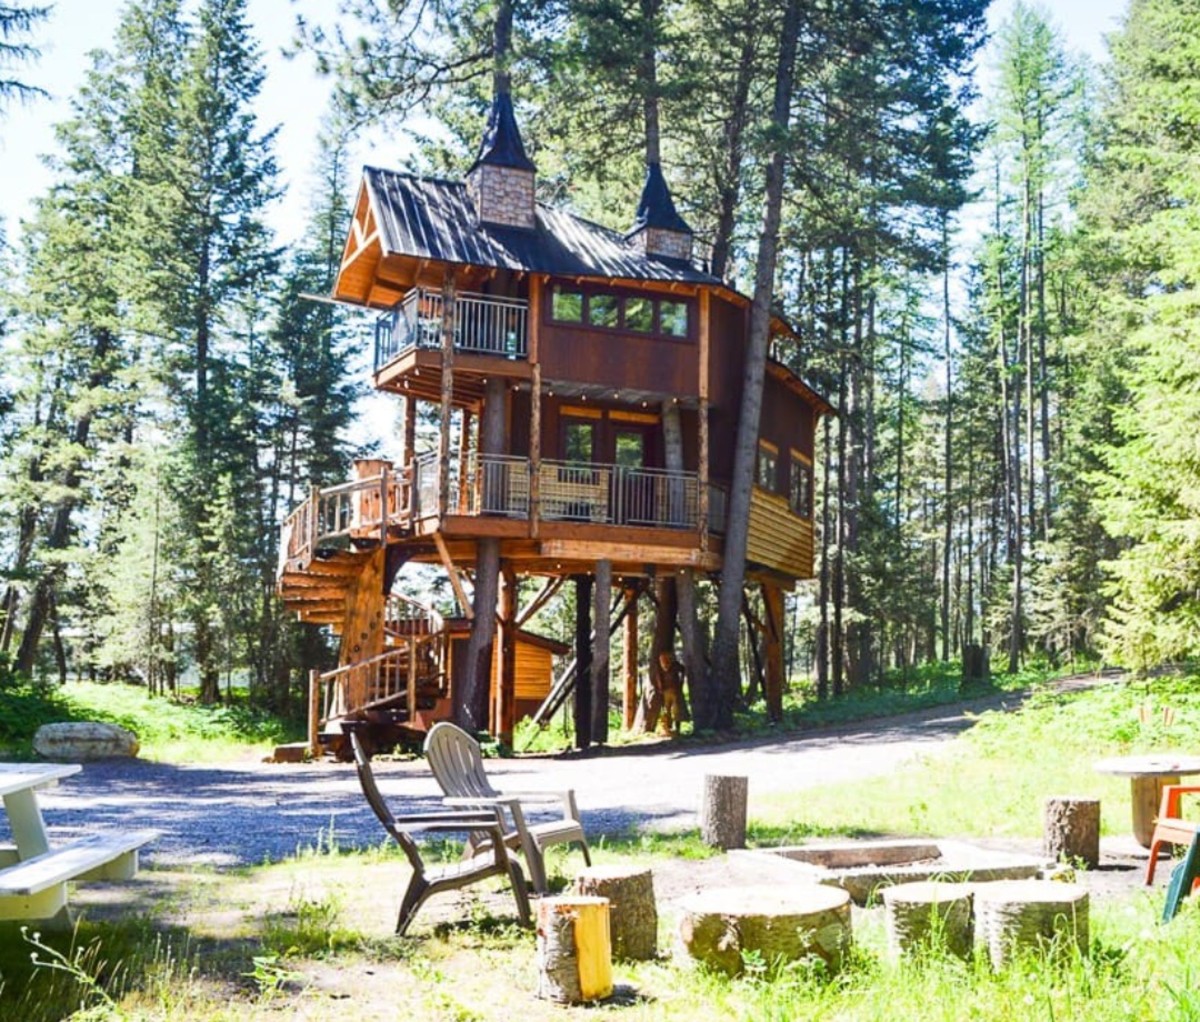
(330, 573)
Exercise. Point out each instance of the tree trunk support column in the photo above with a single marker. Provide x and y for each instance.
(506, 688)
(449, 314)
(601, 599)
(583, 661)
(773, 649)
(630, 660)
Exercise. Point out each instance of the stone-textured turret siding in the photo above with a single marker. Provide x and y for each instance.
(502, 195)
(655, 241)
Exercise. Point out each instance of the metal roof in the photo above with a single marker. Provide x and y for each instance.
(502, 145)
(656, 208)
(430, 218)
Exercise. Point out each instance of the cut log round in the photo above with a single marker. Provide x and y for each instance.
(775, 924)
(1071, 829)
(574, 954)
(928, 915)
(723, 811)
(1016, 915)
(633, 913)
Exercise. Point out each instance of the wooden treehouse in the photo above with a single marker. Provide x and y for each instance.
(593, 382)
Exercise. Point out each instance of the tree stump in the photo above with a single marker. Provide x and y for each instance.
(1071, 829)
(723, 811)
(633, 913)
(926, 915)
(574, 955)
(1015, 915)
(776, 924)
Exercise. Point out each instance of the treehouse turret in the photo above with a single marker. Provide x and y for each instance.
(586, 384)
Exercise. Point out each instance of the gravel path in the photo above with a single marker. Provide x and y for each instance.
(246, 813)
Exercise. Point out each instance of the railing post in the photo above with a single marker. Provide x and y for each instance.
(313, 514)
(314, 713)
(383, 505)
(411, 700)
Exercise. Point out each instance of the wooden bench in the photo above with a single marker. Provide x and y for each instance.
(37, 887)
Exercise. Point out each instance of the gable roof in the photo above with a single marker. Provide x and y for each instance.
(431, 218)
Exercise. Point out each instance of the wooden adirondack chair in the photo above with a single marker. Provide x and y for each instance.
(457, 764)
(429, 880)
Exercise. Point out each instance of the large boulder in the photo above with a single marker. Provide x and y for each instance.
(81, 740)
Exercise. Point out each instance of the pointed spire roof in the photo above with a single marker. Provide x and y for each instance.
(501, 145)
(656, 208)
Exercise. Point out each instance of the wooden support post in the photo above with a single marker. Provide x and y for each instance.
(574, 954)
(535, 405)
(629, 660)
(723, 811)
(410, 429)
(314, 713)
(601, 674)
(449, 316)
(411, 681)
(773, 649)
(1071, 829)
(583, 661)
(464, 457)
(702, 415)
(455, 582)
(507, 715)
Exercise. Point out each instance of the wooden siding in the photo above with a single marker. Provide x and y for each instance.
(778, 539)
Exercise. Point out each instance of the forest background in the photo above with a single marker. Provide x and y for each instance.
(1016, 462)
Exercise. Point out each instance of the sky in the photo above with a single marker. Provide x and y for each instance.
(293, 96)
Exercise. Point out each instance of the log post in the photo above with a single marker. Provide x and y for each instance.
(1016, 915)
(314, 713)
(777, 924)
(773, 650)
(629, 657)
(927, 916)
(723, 811)
(507, 688)
(583, 661)
(601, 623)
(535, 405)
(633, 913)
(574, 954)
(1071, 829)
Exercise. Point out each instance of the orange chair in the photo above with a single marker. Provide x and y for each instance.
(1170, 827)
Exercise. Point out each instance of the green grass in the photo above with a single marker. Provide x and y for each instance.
(992, 781)
(170, 730)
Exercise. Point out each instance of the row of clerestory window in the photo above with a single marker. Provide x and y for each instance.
(607, 310)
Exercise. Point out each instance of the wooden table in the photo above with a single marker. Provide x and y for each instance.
(18, 784)
(1148, 775)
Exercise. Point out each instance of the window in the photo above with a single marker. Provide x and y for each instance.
(800, 486)
(566, 306)
(673, 319)
(639, 315)
(580, 442)
(630, 448)
(766, 471)
(604, 310)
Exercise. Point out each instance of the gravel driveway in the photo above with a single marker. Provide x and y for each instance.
(246, 813)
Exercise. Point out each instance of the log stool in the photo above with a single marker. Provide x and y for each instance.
(723, 811)
(928, 914)
(780, 923)
(1071, 829)
(574, 955)
(1011, 915)
(632, 914)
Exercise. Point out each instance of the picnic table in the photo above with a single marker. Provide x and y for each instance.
(1148, 775)
(34, 874)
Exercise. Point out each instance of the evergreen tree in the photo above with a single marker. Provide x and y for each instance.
(16, 22)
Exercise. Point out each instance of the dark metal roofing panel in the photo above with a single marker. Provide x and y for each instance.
(434, 219)
(502, 145)
(656, 208)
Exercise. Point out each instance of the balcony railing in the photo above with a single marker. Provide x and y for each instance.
(483, 325)
(499, 484)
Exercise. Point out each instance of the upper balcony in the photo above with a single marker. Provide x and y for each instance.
(483, 325)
